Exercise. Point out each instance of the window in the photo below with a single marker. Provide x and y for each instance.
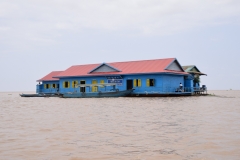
(53, 85)
(82, 82)
(74, 83)
(66, 84)
(150, 82)
(82, 89)
(102, 82)
(47, 86)
(137, 83)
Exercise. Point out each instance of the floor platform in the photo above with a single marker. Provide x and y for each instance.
(173, 94)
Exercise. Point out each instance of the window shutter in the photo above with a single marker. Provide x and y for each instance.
(63, 84)
(102, 82)
(73, 84)
(45, 86)
(139, 83)
(92, 86)
(76, 82)
(134, 82)
(148, 82)
(68, 84)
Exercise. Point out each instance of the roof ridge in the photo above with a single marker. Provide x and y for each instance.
(122, 62)
(143, 60)
(86, 64)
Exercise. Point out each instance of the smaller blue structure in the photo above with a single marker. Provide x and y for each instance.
(48, 84)
(193, 78)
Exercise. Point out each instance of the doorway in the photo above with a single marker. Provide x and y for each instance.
(129, 84)
(82, 89)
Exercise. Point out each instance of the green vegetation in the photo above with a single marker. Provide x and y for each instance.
(196, 79)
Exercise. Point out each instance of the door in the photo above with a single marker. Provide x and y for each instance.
(94, 88)
(129, 84)
(82, 89)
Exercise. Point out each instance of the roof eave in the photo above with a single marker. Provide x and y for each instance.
(46, 80)
(98, 75)
(200, 73)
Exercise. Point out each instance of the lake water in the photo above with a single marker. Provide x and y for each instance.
(184, 128)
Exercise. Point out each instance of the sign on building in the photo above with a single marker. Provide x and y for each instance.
(115, 79)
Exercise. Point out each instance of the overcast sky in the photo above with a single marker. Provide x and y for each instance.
(40, 36)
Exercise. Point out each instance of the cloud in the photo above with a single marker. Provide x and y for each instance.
(65, 32)
(44, 21)
(4, 29)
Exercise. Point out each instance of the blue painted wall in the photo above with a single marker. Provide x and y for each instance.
(188, 83)
(88, 80)
(40, 87)
(163, 83)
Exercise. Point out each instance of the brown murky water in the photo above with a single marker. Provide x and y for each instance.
(183, 128)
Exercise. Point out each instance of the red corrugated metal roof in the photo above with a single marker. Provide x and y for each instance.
(50, 76)
(130, 67)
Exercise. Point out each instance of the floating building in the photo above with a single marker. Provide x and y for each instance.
(158, 77)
